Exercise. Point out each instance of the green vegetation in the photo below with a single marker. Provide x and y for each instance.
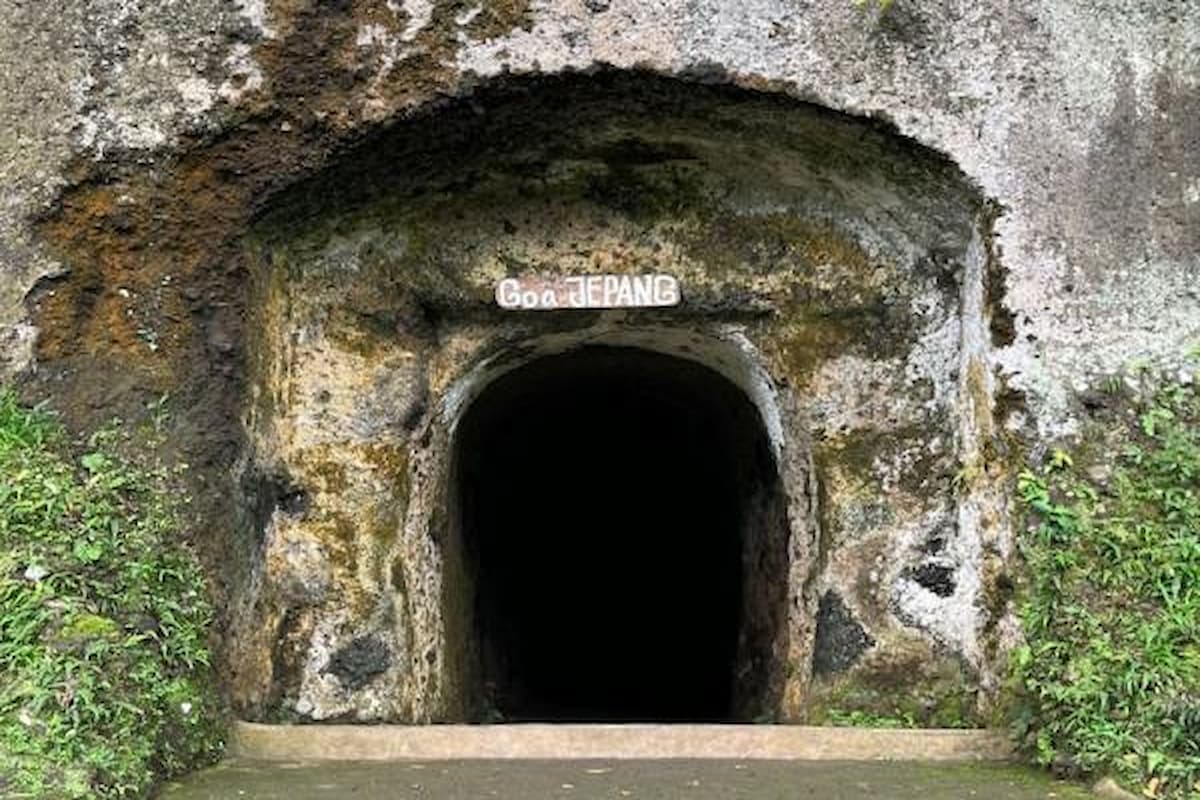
(934, 698)
(105, 684)
(865, 719)
(1109, 680)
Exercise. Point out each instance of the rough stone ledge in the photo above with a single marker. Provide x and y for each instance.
(612, 742)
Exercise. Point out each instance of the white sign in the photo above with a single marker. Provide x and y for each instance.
(587, 291)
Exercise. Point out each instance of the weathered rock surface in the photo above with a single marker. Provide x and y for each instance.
(913, 236)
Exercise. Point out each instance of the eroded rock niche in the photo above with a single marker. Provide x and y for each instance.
(744, 507)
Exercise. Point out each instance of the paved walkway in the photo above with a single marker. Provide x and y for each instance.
(635, 742)
(638, 780)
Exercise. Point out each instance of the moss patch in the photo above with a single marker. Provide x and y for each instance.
(500, 17)
(899, 686)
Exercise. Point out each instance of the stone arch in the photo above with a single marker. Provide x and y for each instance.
(832, 270)
(623, 491)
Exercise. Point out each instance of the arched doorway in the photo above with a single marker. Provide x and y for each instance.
(614, 507)
(835, 273)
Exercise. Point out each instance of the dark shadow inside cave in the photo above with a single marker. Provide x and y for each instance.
(624, 539)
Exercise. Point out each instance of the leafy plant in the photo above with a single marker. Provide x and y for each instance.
(105, 683)
(865, 719)
(1109, 678)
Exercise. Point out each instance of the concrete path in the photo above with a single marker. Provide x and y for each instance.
(646, 742)
(614, 780)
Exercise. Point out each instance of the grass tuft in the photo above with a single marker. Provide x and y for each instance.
(105, 680)
(1109, 679)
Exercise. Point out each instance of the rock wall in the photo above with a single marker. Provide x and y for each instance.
(925, 228)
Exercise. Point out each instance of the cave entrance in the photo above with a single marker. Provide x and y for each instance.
(625, 540)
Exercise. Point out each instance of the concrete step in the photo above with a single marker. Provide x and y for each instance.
(611, 742)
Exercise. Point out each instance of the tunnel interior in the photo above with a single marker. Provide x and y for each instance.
(611, 504)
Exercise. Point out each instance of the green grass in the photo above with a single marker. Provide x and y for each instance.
(1109, 680)
(105, 682)
(866, 719)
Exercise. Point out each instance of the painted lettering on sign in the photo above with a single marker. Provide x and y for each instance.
(587, 291)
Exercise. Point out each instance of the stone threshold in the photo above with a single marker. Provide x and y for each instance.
(537, 741)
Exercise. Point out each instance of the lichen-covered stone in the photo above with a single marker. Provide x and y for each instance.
(840, 640)
(360, 661)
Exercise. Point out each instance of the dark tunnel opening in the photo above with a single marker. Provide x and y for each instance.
(611, 507)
